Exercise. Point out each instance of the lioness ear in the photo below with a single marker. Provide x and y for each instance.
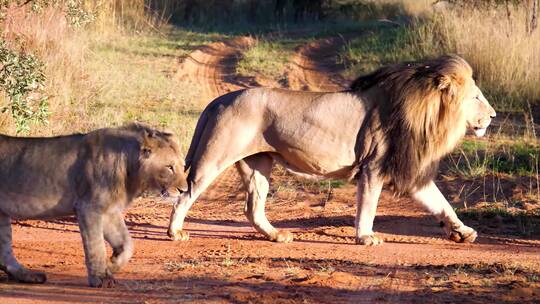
(443, 82)
(147, 142)
(145, 151)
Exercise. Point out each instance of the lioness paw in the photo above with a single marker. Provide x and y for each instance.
(284, 237)
(369, 240)
(179, 235)
(106, 281)
(28, 276)
(463, 234)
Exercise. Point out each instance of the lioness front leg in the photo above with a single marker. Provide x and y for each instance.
(434, 201)
(8, 262)
(255, 174)
(91, 226)
(369, 188)
(117, 235)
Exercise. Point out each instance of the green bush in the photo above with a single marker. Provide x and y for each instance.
(22, 80)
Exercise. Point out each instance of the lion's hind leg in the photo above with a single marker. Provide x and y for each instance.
(8, 262)
(117, 235)
(434, 201)
(255, 174)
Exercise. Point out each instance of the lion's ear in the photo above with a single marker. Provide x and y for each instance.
(443, 82)
(148, 142)
(145, 152)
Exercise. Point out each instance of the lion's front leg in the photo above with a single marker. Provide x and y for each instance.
(117, 235)
(369, 188)
(434, 201)
(91, 226)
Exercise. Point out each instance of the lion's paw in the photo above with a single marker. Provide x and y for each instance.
(105, 281)
(28, 276)
(463, 234)
(284, 237)
(179, 235)
(369, 240)
(112, 266)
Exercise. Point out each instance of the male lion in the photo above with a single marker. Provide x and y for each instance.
(94, 176)
(392, 126)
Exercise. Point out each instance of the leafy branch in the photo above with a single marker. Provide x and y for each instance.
(22, 80)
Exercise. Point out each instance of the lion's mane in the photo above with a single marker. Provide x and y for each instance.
(421, 115)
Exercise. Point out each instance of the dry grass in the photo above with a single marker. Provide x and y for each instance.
(266, 57)
(48, 36)
(107, 74)
(505, 57)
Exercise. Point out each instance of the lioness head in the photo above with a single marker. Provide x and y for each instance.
(161, 163)
(478, 111)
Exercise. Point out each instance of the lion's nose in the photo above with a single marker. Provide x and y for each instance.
(493, 113)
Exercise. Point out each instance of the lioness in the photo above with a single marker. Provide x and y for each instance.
(94, 176)
(392, 126)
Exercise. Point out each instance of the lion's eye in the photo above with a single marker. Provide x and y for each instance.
(170, 167)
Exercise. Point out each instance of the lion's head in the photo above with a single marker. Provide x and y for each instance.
(479, 112)
(425, 108)
(160, 162)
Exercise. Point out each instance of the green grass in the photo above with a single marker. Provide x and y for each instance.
(367, 53)
(520, 222)
(274, 49)
(265, 58)
(478, 158)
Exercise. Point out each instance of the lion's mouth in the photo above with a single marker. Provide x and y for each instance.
(479, 132)
(166, 194)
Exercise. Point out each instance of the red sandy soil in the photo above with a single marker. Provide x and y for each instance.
(226, 261)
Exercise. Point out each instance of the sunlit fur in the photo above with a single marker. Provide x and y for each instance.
(423, 115)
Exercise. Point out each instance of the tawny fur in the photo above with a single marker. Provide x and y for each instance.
(94, 176)
(393, 126)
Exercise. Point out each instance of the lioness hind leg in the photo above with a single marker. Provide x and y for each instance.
(117, 235)
(8, 262)
(255, 174)
(434, 201)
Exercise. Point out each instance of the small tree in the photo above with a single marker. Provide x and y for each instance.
(22, 80)
(22, 77)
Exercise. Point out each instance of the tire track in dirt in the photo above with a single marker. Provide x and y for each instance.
(314, 67)
(213, 66)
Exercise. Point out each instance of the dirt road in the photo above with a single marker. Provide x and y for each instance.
(227, 262)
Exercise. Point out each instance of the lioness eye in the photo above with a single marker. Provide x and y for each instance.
(170, 167)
